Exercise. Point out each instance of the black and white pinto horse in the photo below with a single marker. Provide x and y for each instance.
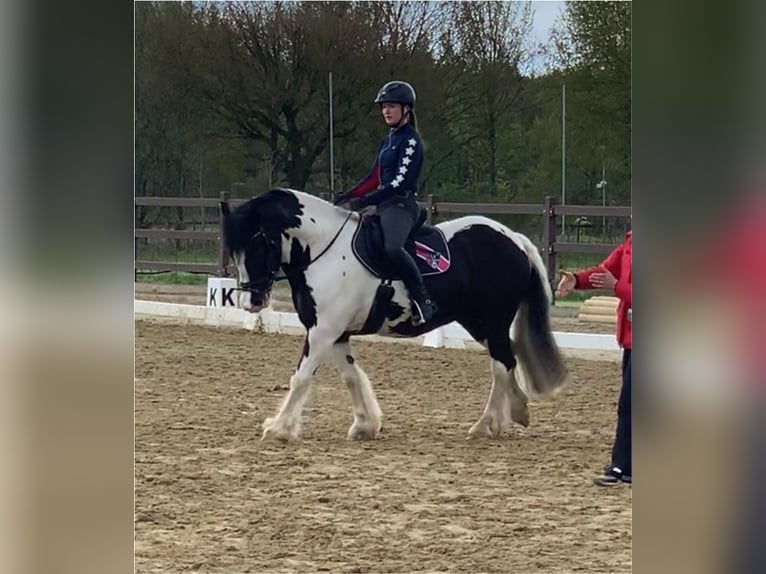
(481, 274)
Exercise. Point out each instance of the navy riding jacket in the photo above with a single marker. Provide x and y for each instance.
(396, 168)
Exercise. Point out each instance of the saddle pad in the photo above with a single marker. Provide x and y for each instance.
(427, 246)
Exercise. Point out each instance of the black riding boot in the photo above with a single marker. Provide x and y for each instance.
(423, 307)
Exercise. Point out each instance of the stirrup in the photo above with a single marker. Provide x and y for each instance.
(417, 318)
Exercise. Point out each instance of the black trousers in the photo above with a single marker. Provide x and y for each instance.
(748, 552)
(397, 218)
(622, 452)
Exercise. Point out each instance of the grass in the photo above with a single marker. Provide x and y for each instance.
(577, 261)
(176, 251)
(197, 254)
(172, 278)
(575, 298)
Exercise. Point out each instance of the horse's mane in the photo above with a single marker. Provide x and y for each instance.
(253, 204)
(280, 195)
(273, 211)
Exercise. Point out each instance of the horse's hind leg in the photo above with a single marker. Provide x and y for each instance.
(367, 413)
(506, 402)
(287, 424)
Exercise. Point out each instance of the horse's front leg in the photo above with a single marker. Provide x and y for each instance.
(367, 413)
(287, 424)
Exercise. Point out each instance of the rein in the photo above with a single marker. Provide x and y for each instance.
(333, 239)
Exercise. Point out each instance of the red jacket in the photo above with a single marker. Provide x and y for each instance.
(619, 264)
(729, 266)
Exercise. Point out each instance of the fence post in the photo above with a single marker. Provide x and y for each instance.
(223, 255)
(430, 207)
(549, 239)
(136, 210)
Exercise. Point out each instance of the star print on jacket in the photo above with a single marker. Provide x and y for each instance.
(396, 168)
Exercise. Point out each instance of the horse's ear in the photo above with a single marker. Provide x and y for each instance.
(225, 208)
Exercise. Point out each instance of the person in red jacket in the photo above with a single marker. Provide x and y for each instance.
(614, 273)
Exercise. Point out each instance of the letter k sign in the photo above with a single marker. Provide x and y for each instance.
(226, 295)
(211, 301)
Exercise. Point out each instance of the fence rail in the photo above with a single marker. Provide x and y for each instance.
(176, 234)
(437, 208)
(549, 210)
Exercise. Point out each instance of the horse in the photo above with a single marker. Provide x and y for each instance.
(480, 273)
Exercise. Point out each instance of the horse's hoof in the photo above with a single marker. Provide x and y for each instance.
(478, 431)
(360, 432)
(484, 429)
(271, 431)
(520, 416)
(273, 434)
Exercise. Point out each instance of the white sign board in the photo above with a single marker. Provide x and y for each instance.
(221, 292)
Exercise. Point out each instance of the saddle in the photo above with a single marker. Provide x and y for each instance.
(426, 244)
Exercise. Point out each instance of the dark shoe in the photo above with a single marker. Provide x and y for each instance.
(612, 477)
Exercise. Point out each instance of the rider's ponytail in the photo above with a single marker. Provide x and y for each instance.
(413, 119)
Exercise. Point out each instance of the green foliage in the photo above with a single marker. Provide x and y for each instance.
(235, 96)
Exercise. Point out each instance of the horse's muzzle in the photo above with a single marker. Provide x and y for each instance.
(254, 302)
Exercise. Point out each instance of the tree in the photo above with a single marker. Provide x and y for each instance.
(235, 95)
(593, 47)
(176, 135)
(487, 48)
(267, 71)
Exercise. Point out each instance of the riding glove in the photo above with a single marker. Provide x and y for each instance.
(358, 203)
(341, 199)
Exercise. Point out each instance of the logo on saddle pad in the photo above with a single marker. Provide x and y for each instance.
(433, 259)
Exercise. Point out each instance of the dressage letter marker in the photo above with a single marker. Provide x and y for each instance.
(226, 297)
(220, 292)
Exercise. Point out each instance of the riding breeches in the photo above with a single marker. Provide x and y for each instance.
(397, 218)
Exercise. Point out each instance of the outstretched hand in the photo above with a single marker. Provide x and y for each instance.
(566, 284)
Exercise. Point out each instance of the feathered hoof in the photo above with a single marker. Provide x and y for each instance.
(484, 429)
(520, 416)
(272, 430)
(363, 431)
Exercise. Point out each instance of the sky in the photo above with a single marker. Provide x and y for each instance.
(544, 16)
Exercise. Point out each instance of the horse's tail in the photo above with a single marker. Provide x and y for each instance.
(541, 370)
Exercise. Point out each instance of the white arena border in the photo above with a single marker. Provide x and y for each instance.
(451, 336)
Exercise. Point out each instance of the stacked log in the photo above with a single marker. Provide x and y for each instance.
(599, 309)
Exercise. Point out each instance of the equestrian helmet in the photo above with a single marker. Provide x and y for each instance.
(396, 92)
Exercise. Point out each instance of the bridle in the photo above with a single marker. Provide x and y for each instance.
(261, 286)
(273, 261)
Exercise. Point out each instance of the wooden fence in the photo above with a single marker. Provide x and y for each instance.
(549, 211)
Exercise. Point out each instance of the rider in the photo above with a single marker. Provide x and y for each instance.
(391, 185)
